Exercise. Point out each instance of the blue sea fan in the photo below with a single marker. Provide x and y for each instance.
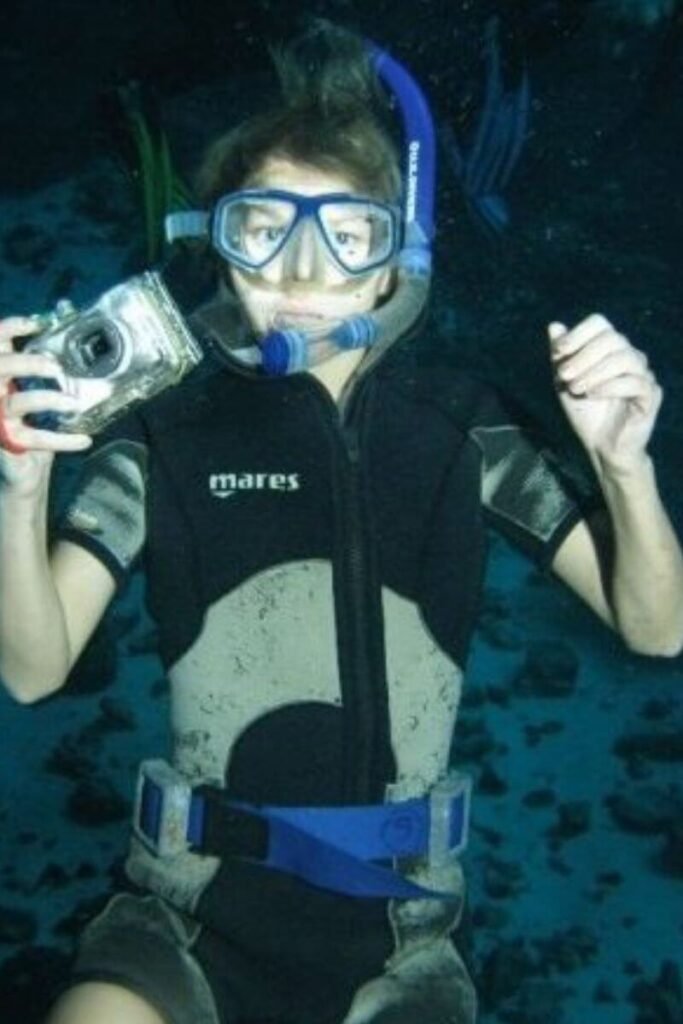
(483, 164)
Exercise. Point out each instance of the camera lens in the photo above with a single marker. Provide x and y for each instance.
(93, 348)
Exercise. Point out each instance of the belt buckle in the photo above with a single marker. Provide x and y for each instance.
(175, 795)
(449, 817)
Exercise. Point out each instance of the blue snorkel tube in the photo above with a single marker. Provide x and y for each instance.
(291, 350)
(420, 162)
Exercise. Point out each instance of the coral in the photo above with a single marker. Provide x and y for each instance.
(640, 12)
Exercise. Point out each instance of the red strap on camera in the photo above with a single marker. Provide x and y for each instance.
(6, 442)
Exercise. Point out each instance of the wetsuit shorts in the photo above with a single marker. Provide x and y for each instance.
(192, 975)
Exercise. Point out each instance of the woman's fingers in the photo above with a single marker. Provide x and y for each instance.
(584, 377)
(16, 327)
(29, 364)
(16, 404)
(51, 440)
(17, 436)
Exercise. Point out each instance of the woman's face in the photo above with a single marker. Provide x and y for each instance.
(304, 289)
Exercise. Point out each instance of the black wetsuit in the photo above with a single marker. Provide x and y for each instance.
(315, 582)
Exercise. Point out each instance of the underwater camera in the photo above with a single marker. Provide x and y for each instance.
(126, 347)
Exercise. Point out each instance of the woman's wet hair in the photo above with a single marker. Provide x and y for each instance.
(332, 115)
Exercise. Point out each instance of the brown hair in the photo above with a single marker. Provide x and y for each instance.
(331, 116)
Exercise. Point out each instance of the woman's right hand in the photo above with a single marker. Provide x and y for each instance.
(25, 473)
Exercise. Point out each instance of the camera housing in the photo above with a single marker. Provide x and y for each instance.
(126, 347)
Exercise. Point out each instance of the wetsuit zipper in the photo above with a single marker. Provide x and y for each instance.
(358, 612)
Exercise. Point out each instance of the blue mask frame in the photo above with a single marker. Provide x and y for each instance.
(306, 207)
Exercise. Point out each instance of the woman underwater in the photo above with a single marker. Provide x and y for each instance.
(314, 544)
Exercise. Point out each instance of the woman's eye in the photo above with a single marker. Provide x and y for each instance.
(352, 239)
(266, 234)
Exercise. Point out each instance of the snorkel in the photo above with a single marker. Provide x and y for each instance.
(292, 350)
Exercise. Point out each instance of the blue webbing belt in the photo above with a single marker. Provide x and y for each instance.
(334, 848)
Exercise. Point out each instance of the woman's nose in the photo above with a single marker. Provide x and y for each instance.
(303, 258)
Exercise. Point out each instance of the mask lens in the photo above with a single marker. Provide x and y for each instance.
(361, 234)
(252, 229)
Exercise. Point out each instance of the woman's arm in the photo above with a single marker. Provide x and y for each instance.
(629, 569)
(48, 607)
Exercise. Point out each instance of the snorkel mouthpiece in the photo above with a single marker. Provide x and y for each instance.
(290, 350)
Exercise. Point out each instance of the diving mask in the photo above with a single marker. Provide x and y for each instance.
(254, 227)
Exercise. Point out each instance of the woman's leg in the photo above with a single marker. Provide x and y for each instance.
(135, 965)
(96, 1002)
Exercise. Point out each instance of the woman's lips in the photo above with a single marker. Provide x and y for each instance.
(299, 318)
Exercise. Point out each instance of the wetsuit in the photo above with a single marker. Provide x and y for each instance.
(315, 582)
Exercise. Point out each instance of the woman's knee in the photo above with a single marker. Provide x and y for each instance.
(96, 1002)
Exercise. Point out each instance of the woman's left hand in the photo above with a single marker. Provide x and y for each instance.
(607, 390)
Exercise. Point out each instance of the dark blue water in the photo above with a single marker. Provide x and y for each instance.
(576, 851)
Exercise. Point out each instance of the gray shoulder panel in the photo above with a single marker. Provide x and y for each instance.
(109, 508)
(519, 482)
